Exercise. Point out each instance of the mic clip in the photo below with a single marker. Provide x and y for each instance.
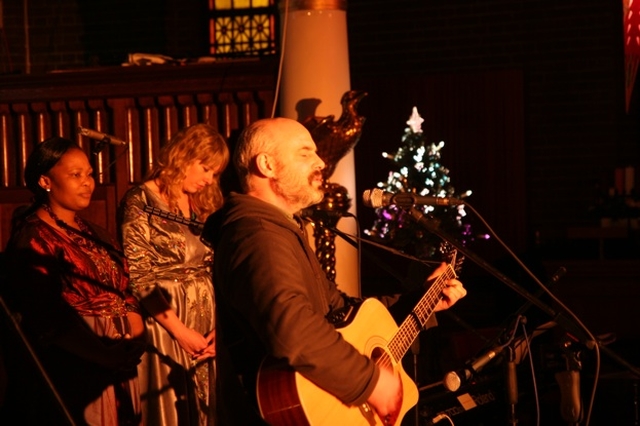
(99, 146)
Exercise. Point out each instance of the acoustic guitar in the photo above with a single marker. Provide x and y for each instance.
(287, 398)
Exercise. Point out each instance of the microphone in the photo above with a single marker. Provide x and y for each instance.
(454, 379)
(99, 136)
(378, 198)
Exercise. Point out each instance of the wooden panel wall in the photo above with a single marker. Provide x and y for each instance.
(143, 106)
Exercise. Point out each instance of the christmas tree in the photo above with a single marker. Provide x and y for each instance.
(417, 169)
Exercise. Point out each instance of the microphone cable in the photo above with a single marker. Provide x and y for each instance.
(440, 417)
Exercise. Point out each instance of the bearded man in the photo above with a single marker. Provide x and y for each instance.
(273, 296)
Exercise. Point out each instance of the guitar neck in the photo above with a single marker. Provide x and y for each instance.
(415, 322)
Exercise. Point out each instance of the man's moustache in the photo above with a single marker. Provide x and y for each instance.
(315, 175)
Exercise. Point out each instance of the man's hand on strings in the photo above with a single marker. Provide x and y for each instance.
(452, 292)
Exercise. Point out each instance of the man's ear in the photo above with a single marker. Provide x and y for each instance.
(265, 165)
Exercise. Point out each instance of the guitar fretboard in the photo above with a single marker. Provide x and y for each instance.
(415, 322)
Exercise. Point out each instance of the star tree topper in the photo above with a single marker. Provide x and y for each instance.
(415, 121)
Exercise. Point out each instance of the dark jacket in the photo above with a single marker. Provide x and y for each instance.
(274, 297)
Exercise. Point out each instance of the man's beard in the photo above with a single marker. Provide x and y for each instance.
(296, 191)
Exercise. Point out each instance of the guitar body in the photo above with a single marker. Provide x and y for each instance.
(286, 398)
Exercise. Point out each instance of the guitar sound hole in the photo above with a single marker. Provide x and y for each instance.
(380, 357)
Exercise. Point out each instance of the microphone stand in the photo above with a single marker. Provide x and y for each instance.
(512, 386)
(574, 331)
(433, 225)
(25, 341)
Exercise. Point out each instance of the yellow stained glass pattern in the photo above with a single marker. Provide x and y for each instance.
(242, 27)
(237, 4)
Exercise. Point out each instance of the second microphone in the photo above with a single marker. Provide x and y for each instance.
(99, 136)
(378, 198)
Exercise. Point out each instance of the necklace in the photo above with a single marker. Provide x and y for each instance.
(71, 232)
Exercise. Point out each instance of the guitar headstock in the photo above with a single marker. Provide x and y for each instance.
(450, 255)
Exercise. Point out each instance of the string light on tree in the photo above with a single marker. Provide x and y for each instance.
(418, 169)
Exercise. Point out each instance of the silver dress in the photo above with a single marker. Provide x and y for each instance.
(168, 256)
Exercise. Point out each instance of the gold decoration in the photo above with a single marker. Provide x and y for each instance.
(334, 139)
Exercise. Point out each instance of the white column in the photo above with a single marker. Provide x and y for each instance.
(316, 66)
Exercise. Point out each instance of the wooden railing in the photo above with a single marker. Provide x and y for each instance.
(143, 106)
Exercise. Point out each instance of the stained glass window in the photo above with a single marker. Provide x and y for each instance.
(242, 27)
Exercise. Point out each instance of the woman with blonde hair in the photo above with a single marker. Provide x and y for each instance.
(171, 275)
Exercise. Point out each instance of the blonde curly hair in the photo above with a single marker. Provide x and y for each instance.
(199, 142)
